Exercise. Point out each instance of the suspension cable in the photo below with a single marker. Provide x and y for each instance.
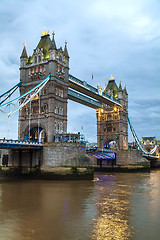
(29, 120)
(39, 112)
(139, 142)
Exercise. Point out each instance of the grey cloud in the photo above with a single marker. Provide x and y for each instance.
(104, 37)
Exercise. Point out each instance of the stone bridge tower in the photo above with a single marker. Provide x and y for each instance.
(112, 122)
(46, 115)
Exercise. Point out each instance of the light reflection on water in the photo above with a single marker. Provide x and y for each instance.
(117, 206)
(114, 209)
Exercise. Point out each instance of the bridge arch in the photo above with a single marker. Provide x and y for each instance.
(35, 133)
(111, 144)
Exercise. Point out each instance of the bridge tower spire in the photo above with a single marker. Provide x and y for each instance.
(47, 113)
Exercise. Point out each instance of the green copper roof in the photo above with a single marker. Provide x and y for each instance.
(112, 86)
(44, 44)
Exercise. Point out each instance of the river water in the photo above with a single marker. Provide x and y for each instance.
(117, 206)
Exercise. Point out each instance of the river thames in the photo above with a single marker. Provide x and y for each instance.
(117, 206)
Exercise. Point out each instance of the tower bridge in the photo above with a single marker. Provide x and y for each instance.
(45, 87)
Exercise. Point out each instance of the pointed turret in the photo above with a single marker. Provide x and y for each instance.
(120, 87)
(53, 44)
(112, 86)
(65, 50)
(120, 91)
(125, 90)
(24, 52)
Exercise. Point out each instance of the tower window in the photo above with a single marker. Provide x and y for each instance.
(58, 127)
(44, 91)
(39, 59)
(109, 129)
(61, 127)
(61, 111)
(35, 59)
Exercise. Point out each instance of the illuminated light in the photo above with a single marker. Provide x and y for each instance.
(101, 110)
(111, 78)
(46, 56)
(45, 32)
(115, 109)
(36, 97)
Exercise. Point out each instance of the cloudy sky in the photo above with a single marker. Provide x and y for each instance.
(119, 37)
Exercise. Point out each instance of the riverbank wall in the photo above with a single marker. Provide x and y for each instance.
(59, 161)
(126, 161)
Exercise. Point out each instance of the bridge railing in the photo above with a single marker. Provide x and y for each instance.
(105, 150)
(91, 88)
(11, 141)
(76, 79)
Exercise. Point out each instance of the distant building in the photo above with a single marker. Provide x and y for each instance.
(149, 142)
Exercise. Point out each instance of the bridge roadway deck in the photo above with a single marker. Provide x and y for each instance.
(16, 144)
(85, 88)
(85, 100)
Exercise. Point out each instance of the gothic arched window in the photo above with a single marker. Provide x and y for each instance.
(35, 59)
(39, 58)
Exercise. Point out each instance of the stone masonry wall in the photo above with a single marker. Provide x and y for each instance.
(13, 157)
(130, 157)
(65, 154)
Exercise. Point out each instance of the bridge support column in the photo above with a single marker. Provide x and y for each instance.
(50, 129)
(31, 159)
(20, 160)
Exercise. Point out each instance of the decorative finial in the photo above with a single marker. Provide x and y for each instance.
(65, 42)
(53, 33)
(24, 43)
(45, 32)
(112, 78)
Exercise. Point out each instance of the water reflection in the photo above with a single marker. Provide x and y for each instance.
(118, 206)
(146, 208)
(114, 209)
(45, 210)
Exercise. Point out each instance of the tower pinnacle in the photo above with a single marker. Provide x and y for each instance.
(65, 50)
(45, 32)
(24, 52)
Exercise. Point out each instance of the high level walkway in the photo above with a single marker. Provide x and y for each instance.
(95, 93)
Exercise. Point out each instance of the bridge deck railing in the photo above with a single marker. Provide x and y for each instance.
(91, 88)
(11, 141)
